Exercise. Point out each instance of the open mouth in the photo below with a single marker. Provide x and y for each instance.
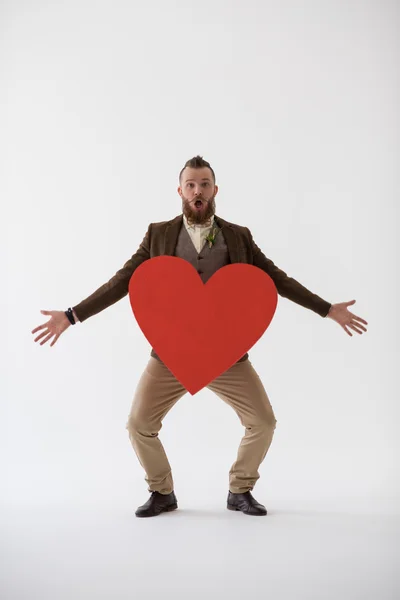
(198, 203)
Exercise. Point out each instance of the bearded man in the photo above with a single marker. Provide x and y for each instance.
(240, 386)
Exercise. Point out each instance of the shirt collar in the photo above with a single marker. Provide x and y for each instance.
(190, 226)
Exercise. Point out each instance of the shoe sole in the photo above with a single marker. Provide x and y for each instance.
(229, 507)
(165, 509)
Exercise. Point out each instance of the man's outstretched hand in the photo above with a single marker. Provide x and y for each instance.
(340, 313)
(54, 327)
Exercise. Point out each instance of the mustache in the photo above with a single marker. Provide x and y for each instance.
(198, 198)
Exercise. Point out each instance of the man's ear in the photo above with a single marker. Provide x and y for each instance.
(179, 189)
(215, 190)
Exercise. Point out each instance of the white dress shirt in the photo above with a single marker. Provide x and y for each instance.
(198, 233)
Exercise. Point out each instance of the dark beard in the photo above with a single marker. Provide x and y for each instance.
(198, 218)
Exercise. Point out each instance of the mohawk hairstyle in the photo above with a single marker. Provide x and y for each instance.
(197, 162)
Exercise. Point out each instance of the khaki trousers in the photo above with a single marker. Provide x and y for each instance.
(240, 387)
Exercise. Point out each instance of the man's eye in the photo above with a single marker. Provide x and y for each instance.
(205, 183)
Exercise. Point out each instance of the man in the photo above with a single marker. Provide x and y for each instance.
(158, 390)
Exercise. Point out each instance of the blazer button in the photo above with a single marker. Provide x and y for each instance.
(200, 272)
(200, 257)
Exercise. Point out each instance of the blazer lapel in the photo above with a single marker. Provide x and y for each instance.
(171, 235)
(173, 228)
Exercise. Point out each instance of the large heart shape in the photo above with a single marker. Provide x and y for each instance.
(200, 330)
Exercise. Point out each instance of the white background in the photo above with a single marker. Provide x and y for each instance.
(295, 105)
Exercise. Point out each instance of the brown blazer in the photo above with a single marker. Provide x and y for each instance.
(161, 239)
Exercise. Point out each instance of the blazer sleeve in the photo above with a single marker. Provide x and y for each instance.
(287, 286)
(117, 287)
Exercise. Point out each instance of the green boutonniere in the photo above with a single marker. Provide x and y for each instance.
(211, 237)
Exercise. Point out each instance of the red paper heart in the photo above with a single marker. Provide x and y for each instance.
(200, 330)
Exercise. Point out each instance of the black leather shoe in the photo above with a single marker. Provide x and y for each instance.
(156, 504)
(246, 503)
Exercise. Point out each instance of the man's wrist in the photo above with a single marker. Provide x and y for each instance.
(71, 316)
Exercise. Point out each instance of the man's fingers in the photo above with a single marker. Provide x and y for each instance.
(55, 339)
(359, 319)
(39, 328)
(41, 335)
(358, 325)
(348, 332)
(46, 338)
(354, 327)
